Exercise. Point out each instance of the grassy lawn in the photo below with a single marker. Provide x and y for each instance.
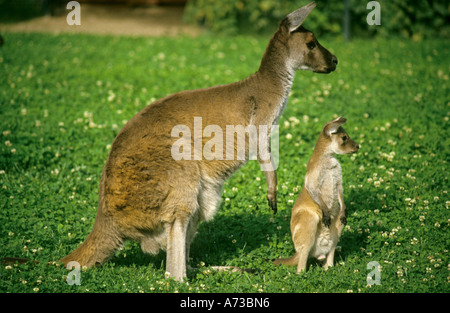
(63, 99)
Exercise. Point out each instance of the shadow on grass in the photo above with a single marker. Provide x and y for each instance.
(225, 239)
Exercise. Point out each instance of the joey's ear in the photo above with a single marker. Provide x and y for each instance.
(333, 126)
(296, 18)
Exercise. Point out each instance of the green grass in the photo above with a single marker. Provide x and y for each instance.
(63, 99)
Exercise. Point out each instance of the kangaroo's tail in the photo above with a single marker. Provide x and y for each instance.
(293, 260)
(99, 246)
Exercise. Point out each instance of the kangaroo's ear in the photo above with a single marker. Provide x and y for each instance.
(333, 126)
(296, 18)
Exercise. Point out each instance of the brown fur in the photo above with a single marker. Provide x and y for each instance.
(147, 196)
(313, 235)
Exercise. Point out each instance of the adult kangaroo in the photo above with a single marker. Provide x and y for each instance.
(148, 195)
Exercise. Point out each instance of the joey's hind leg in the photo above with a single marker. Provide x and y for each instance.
(330, 259)
(336, 229)
(304, 237)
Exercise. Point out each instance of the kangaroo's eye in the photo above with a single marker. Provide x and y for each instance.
(344, 138)
(311, 45)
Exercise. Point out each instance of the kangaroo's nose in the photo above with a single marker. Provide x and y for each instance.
(334, 60)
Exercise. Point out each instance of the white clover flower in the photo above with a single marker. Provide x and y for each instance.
(294, 120)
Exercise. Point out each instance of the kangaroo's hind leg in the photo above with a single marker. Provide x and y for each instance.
(335, 232)
(304, 236)
(191, 233)
(176, 248)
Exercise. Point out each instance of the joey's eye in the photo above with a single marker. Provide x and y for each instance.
(344, 138)
(311, 45)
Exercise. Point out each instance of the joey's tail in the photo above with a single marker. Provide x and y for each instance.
(293, 260)
(99, 246)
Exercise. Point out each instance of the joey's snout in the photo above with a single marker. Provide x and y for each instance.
(355, 148)
(350, 145)
(337, 138)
